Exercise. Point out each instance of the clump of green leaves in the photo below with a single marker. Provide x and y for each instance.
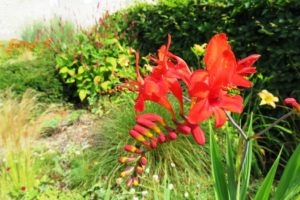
(97, 63)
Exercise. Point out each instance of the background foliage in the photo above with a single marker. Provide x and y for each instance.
(267, 27)
(97, 62)
(38, 74)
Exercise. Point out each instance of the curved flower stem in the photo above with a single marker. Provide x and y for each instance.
(244, 136)
(245, 153)
(273, 124)
(242, 133)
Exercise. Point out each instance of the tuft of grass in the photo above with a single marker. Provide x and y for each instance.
(182, 163)
(17, 131)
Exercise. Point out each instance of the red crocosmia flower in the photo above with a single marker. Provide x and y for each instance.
(23, 188)
(293, 103)
(172, 68)
(209, 87)
(221, 62)
(215, 103)
(152, 88)
(244, 68)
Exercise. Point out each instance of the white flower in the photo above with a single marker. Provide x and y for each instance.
(135, 198)
(186, 194)
(77, 152)
(173, 165)
(170, 186)
(119, 181)
(144, 193)
(147, 170)
(132, 190)
(156, 178)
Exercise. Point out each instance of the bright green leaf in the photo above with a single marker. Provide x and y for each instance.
(82, 94)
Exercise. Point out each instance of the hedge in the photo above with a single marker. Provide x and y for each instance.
(38, 74)
(270, 28)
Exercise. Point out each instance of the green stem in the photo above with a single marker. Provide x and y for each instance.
(273, 124)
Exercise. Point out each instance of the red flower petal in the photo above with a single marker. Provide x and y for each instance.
(200, 112)
(220, 117)
(198, 84)
(232, 103)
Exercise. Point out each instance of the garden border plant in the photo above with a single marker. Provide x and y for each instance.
(213, 91)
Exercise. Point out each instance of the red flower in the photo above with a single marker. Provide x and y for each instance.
(215, 103)
(243, 69)
(221, 62)
(210, 86)
(172, 68)
(152, 88)
(23, 188)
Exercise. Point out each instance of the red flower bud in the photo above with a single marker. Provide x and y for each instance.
(198, 135)
(153, 144)
(172, 135)
(184, 129)
(153, 117)
(161, 138)
(143, 131)
(293, 103)
(139, 169)
(143, 160)
(23, 188)
(148, 124)
(138, 137)
(127, 171)
(126, 159)
(129, 182)
(132, 149)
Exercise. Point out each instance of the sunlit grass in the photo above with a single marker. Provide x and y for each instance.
(17, 131)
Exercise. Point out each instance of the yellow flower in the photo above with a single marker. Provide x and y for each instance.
(267, 98)
(200, 49)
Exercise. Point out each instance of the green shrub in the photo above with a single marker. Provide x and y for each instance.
(269, 28)
(38, 74)
(97, 62)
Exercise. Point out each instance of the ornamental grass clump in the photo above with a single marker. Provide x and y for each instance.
(18, 129)
(214, 91)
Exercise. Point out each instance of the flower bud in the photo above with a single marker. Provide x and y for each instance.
(138, 137)
(132, 149)
(161, 138)
(127, 171)
(172, 135)
(139, 169)
(198, 135)
(126, 159)
(184, 129)
(153, 117)
(148, 124)
(293, 103)
(143, 160)
(143, 131)
(135, 181)
(129, 182)
(153, 144)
